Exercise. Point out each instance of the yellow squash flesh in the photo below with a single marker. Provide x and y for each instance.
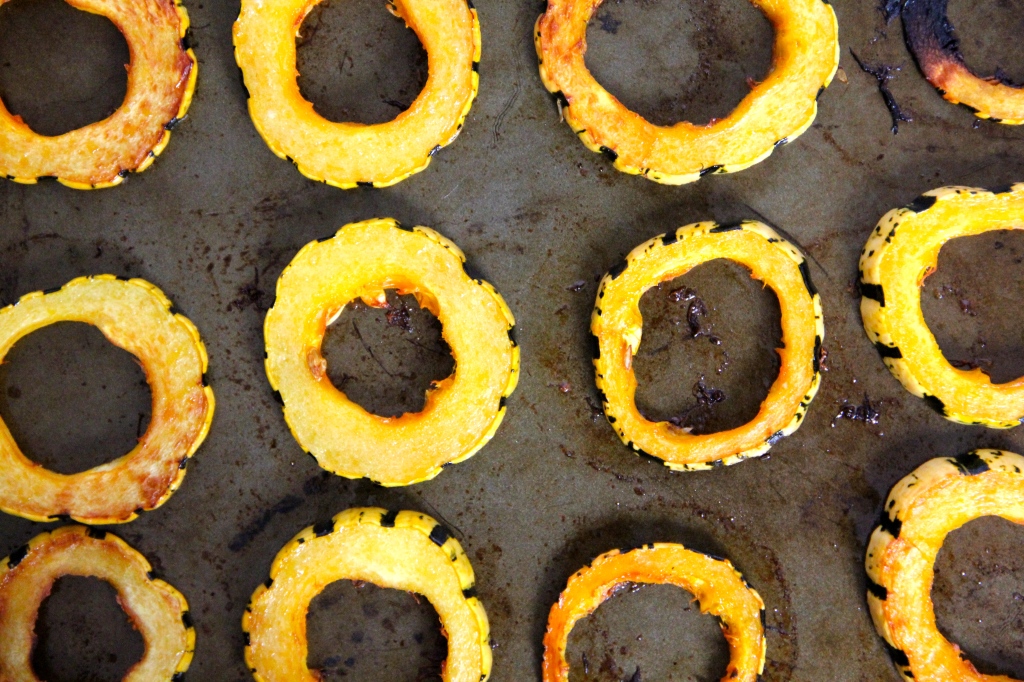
(135, 316)
(618, 327)
(398, 550)
(938, 497)
(718, 588)
(161, 80)
(158, 611)
(347, 154)
(462, 412)
(902, 250)
(776, 111)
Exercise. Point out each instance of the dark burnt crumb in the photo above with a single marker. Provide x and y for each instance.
(596, 411)
(884, 73)
(696, 416)
(398, 316)
(250, 294)
(637, 677)
(567, 452)
(577, 285)
(950, 291)
(866, 412)
(696, 309)
(564, 386)
(984, 364)
(586, 665)
(890, 9)
(823, 362)
(609, 24)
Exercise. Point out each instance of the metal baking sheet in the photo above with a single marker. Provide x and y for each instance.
(218, 216)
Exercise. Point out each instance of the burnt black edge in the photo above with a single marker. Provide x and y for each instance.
(922, 203)
(726, 227)
(322, 528)
(17, 556)
(387, 520)
(885, 351)
(439, 535)
(710, 169)
(872, 291)
(970, 464)
(609, 153)
(877, 590)
(890, 525)
(805, 272)
(936, 404)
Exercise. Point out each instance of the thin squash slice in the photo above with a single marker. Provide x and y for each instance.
(901, 252)
(161, 80)
(401, 550)
(718, 588)
(135, 316)
(462, 412)
(352, 154)
(932, 40)
(935, 499)
(158, 611)
(618, 328)
(777, 110)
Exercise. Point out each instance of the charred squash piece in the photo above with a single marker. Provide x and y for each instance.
(161, 80)
(776, 111)
(932, 40)
(135, 316)
(461, 413)
(901, 252)
(348, 155)
(718, 588)
(399, 550)
(158, 611)
(938, 497)
(618, 326)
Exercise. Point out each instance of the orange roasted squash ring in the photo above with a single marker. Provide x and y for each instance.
(401, 550)
(136, 316)
(902, 250)
(938, 497)
(347, 155)
(718, 588)
(461, 413)
(930, 37)
(618, 326)
(158, 611)
(161, 80)
(777, 110)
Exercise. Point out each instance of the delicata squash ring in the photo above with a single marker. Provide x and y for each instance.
(938, 497)
(718, 587)
(157, 610)
(930, 37)
(776, 111)
(903, 249)
(136, 316)
(461, 413)
(400, 550)
(161, 80)
(347, 155)
(618, 326)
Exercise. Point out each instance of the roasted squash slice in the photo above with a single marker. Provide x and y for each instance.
(158, 611)
(938, 497)
(347, 155)
(718, 588)
(461, 413)
(136, 316)
(618, 326)
(902, 250)
(402, 550)
(931, 39)
(776, 111)
(161, 80)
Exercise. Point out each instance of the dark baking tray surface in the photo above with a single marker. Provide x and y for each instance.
(218, 216)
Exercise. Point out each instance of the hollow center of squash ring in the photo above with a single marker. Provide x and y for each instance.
(673, 61)
(71, 399)
(83, 634)
(656, 629)
(359, 63)
(707, 356)
(60, 85)
(989, 33)
(966, 300)
(386, 359)
(978, 594)
(361, 632)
